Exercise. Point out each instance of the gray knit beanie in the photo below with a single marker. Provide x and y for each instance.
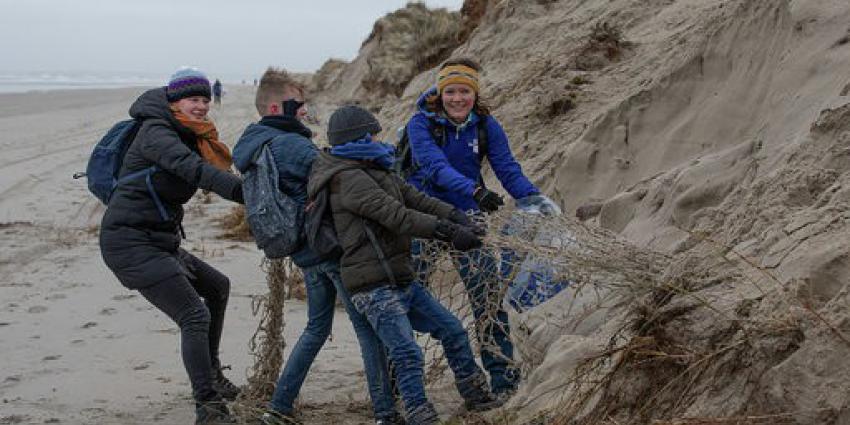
(351, 123)
(188, 82)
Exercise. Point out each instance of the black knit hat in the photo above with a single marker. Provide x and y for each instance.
(187, 82)
(351, 123)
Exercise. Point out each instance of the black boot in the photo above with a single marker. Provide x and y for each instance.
(395, 419)
(222, 385)
(213, 412)
(423, 415)
(476, 394)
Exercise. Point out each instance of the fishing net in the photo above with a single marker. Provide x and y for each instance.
(528, 260)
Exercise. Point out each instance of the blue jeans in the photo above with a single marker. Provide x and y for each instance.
(395, 313)
(323, 284)
(478, 270)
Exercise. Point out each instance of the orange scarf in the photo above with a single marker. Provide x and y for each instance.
(212, 150)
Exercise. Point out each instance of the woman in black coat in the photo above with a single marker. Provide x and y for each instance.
(141, 229)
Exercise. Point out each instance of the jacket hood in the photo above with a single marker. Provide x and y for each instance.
(154, 104)
(422, 107)
(326, 166)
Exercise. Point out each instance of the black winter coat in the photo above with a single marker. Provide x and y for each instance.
(136, 243)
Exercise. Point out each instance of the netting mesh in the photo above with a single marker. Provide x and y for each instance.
(528, 260)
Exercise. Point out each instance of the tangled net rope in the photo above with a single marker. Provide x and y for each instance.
(267, 343)
(532, 260)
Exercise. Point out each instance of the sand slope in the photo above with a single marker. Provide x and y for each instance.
(716, 132)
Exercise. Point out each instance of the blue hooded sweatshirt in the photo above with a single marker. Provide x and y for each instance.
(452, 172)
(293, 153)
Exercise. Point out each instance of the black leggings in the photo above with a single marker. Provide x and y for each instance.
(200, 321)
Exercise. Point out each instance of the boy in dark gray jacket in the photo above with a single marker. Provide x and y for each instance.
(375, 215)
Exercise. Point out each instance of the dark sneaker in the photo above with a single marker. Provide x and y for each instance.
(223, 386)
(212, 413)
(395, 419)
(272, 417)
(476, 394)
(423, 415)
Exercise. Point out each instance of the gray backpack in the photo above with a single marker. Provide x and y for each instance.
(276, 220)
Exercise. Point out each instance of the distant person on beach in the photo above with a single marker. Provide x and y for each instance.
(217, 92)
(444, 140)
(375, 214)
(280, 102)
(140, 233)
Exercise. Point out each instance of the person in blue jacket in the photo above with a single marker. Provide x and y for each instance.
(450, 170)
(280, 101)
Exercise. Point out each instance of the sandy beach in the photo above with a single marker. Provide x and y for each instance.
(77, 347)
(706, 142)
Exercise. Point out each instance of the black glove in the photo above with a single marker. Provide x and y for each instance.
(460, 237)
(464, 240)
(487, 201)
(458, 217)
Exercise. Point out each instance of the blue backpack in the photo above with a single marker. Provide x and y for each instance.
(276, 220)
(106, 160)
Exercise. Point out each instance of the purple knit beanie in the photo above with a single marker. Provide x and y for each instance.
(187, 82)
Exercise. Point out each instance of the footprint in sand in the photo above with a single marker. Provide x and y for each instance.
(78, 342)
(142, 366)
(37, 309)
(51, 358)
(12, 380)
(15, 419)
(88, 325)
(123, 297)
(55, 297)
(108, 311)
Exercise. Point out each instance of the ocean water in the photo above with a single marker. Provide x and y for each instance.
(20, 82)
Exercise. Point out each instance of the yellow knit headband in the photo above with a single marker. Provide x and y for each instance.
(457, 74)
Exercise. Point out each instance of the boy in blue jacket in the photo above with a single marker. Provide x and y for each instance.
(280, 102)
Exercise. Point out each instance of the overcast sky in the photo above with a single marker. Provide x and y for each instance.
(229, 37)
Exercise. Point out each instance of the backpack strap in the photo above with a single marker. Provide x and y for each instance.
(147, 173)
(259, 150)
(438, 132)
(374, 240)
(383, 259)
(483, 147)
